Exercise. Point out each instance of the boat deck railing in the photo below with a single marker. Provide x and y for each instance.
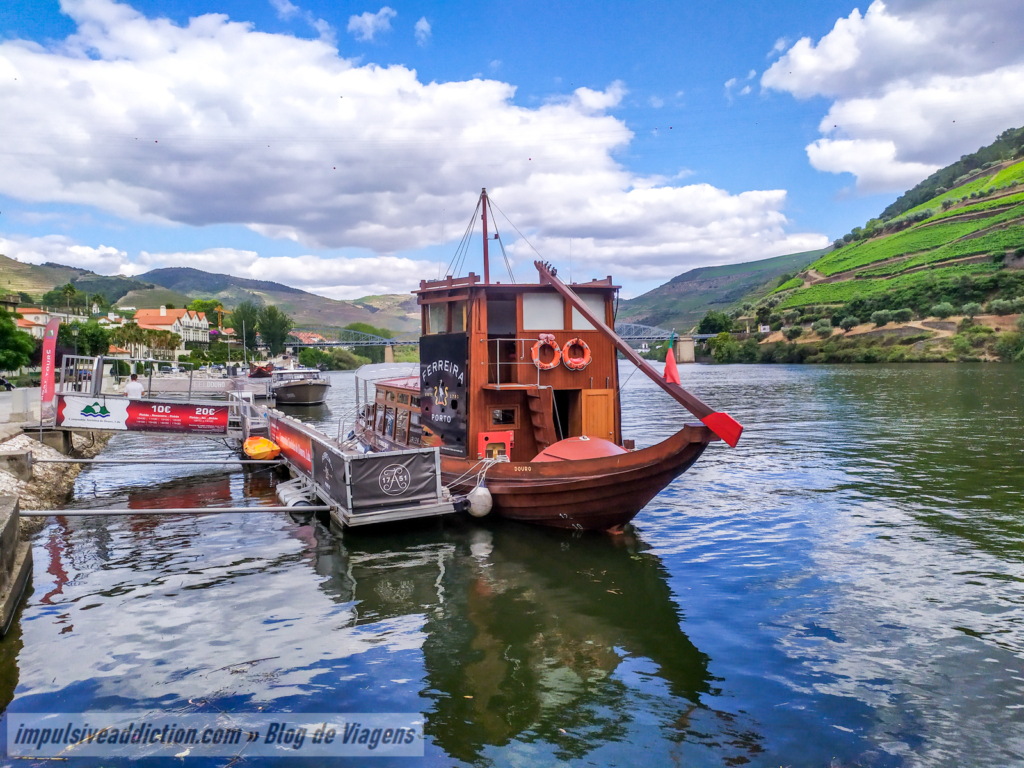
(506, 373)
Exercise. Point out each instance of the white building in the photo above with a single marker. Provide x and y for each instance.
(189, 325)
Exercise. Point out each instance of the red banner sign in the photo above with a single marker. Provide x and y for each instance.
(81, 412)
(47, 385)
(174, 417)
(295, 445)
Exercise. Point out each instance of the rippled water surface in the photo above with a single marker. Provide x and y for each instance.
(845, 588)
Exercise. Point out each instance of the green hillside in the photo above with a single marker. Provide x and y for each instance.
(684, 299)
(965, 243)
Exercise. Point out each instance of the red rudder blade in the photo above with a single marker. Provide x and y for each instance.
(725, 426)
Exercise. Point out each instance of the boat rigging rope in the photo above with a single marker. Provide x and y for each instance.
(497, 237)
(455, 266)
(495, 205)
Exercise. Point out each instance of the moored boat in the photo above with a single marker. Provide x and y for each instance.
(299, 387)
(519, 389)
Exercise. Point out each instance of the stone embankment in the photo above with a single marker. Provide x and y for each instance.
(50, 485)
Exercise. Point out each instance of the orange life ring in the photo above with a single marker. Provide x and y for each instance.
(535, 354)
(576, 363)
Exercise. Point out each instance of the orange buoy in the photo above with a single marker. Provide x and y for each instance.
(260, 448)
(556, 351)
(576, 362)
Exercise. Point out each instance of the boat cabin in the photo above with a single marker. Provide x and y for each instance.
(511, 369)
(395, 413)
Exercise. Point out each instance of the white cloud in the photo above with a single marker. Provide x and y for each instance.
(214, 123)
(899, 76)
(745, 90)
(63, 250)
(285, 10)
(366, 26)
(780, 45)
(422, 31)
(657, 102)
(751, 74)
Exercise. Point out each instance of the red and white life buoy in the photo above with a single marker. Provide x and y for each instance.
(553, 346)
(576, 363)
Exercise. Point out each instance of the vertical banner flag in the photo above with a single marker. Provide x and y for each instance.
(46, 412)
(671, 372)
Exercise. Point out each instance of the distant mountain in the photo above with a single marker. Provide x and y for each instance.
(399, 313)
(179, 285)
(685, 299)
(37, 279)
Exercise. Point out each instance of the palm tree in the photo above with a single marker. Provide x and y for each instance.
(69, 292)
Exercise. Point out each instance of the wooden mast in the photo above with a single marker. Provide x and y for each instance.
(487, 264)
(722, 424)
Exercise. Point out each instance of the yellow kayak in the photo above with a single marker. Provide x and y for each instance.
(260, 448)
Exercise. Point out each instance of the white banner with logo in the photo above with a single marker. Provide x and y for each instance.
(93, 412)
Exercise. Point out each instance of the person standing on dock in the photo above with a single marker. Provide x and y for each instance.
(134, 389)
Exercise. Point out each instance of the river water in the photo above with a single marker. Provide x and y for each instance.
(845, 588)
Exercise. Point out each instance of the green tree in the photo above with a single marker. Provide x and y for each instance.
(274, 326)
(763, 313)
(16, 347)
(209, 308)
(943, 309)
(715, 322)
(724, 348)
(93, 339)
(971, 309)
(881, 317)
(26, 300)
(903, 315)
(69, 292)
(849, 323)
(794, 332)
(245, 318)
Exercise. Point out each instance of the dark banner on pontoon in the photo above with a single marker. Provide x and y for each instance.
(329, 471)
(380, 479)
(444, 379)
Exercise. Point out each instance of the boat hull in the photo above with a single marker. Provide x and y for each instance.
(312, 392)
(590, 494)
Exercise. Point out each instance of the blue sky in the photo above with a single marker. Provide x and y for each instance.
(667, 135)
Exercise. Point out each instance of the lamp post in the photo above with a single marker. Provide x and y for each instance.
(74, 333)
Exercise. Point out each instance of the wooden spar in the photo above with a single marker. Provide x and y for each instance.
(722, 424)
(487, 264)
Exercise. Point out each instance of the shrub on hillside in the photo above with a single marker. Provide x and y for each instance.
(1000, 307)
(849, 322)
(903, 315)
(943, 309)
(791, 317)
(881, 317)
(823, 328)
(794, 333)
(970, 309)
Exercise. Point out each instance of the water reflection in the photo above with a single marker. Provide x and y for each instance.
(527, 632)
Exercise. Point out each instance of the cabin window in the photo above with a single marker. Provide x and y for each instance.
(402, 427)
(595, 303)
(391, 396)
(437, 318)
(415, 430)
(543, 312)
(378, 423)
(504, 417)
(501, 317)
(415, 402)
(403, 398)
(389, 423)
(380, 396)
(459, 312)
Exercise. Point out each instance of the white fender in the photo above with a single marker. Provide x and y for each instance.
(480, 501)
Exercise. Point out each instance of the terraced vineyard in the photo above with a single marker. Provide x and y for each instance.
(846, 290)
(985, 232)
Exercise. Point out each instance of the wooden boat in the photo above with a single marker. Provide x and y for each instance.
(261, 371)
(519, 389)
(299, 387)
